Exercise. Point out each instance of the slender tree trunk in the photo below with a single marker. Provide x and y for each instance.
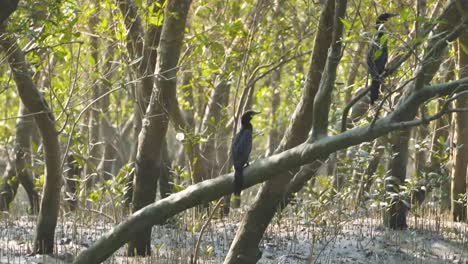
(155, 123)
(8, 187)
(188, 112)
(438, 154)
(108, 135)
(21, 166)
(273, 134)
(418, 194)
(24, 127)
(35, 102)
(212, 122)
(165, 185)
(460, 150)
(353, 72)
(72, 179)
(94, 123)
(367, 178)
(306, 173)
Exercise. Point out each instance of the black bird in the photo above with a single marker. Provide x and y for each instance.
(240, 149)
(378, 56)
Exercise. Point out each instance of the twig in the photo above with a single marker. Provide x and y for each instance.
(79, 117)
(99, 213)
(202, 230)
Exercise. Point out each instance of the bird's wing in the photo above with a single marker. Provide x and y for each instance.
(381, 61)
(371, 61)
(241, 147)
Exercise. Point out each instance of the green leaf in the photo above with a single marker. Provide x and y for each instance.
(377, 54)
(346, 23)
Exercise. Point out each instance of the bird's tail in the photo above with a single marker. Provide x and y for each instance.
(238, 181)
(374, 90)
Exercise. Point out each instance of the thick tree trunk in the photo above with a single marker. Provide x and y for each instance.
(395, 215)
(35, 102)
(155, 123)
(460, 151)
(142, 48)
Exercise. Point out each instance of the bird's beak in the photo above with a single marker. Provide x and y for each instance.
(392, 15)
(256, 113)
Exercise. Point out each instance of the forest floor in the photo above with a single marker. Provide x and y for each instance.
(295, 239)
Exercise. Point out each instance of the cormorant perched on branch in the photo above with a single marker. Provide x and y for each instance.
(240, 149)
(378, 56)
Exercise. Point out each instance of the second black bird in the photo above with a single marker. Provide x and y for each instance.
(240, 150)
(377, 57)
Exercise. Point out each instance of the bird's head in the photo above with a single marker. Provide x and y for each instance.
(384, 17)
(247, 116)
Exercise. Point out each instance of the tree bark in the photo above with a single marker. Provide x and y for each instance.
(262, 170)
(165, 185)
(143, 49)
(155, 123)
(35, 102)
(439, 153)
(19, 172)
(395, 215)
(24, 126)
(273, 134)
(94, 123)
(8, 187)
